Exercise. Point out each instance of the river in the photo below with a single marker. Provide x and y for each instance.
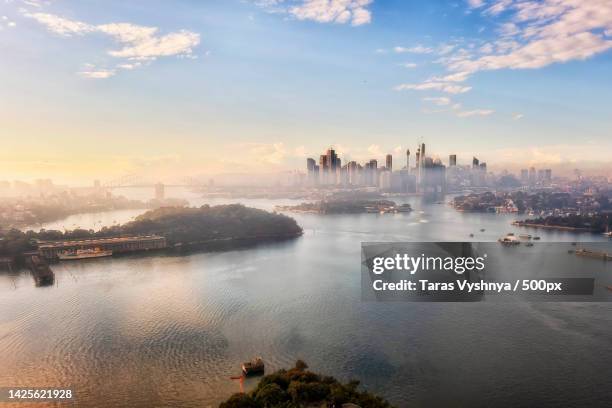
(170, 330)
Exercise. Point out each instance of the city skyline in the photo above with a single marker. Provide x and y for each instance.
(258, 86)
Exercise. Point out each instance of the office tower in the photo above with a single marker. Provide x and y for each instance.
(548, 175)
(452, 160)
(310, 165)
(532, 175)
(483, 166)
(408, 160)
(389, 162)
(324, 169)
(475, 162)
(524, 176)
(332, 159)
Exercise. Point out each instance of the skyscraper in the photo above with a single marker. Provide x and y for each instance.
(389, 162)
(408, 160)
(452, 160)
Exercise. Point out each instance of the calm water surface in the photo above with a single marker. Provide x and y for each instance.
(170, 330)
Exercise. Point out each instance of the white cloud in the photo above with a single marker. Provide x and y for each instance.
(498, 7)
(375, 150)
(60, 25)
(475, 3)
(333, 11)
(517, 116)
(440, 101)
(542, 33)
(97, 74)
(475, 112)
(137, 42)
(129, 66)
(418, 49)
(409, 65)
(434, 86)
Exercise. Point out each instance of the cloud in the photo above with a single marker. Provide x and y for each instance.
(440, 101)
(435, 86)
(6, 22)
(137, 43)
(266, 153)
(475, 3)
(354, 12)
(538, 34)
(475, 112)
(517, 116)
(418, 49)
(97, 74)
(409, 65)
(60, 25)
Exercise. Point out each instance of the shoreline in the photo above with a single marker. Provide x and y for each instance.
(552, 227)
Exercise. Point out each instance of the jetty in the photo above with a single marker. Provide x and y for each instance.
(41, 272)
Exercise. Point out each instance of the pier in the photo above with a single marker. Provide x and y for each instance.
(51, 249)
(41, 272)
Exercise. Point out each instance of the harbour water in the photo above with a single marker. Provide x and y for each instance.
(171, 330)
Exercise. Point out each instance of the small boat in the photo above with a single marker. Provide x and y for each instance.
(529, 244)
(255, 366)
(536, 238)
(509, 240)
(471, 235)
(84, 254)
(482, 230)
(525, 236)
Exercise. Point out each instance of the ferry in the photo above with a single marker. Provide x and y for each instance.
(255, 366)
(509, 240)
(84, 254)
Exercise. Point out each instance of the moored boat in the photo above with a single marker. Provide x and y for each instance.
(84, 254)
(255, 366)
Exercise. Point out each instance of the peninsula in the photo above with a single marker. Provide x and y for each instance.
(206, 227)
(299, 387)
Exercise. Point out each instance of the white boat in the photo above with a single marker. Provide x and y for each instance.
(84, 254)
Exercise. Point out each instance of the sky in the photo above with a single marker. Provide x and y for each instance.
(100, 89)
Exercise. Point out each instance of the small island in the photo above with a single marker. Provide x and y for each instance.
(349, 206)
(216, 228)
(299, 387)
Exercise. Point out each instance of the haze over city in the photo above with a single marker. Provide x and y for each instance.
(202, 88)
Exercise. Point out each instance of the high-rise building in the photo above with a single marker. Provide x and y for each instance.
(452, 160)
(408, 160)
(389, 162)
(310, 164)
(475, 162)
(312, 176)
(524, 176)
(532, 175)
